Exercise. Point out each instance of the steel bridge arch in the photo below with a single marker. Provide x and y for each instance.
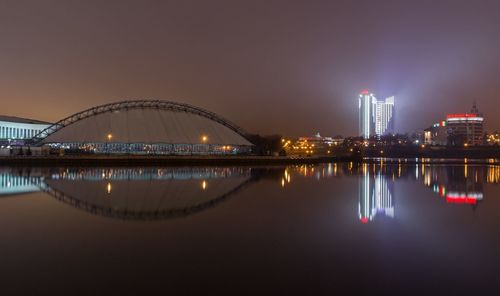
(136, 104)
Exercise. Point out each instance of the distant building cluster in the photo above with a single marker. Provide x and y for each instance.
(458, 129)
(313, 145)
(376, 117)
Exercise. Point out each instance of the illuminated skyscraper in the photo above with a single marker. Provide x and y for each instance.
(375, 117)
(366, 112)
(384, 116)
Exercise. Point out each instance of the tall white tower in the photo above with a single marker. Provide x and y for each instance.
(384, 116)
(366, 114)
(376, 118)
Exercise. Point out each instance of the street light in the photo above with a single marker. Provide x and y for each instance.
(110, 136)
(204, 139)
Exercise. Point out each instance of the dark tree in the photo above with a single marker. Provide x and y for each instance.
(266, 145)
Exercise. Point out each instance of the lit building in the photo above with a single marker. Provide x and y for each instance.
(493, 138)
(384, 116)
(315, 145)
(466, 128)
(376, 118)
(15, 130)
(437, 134)
(366, 126)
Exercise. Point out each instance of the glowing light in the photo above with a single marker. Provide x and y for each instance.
(204, 185)
(110, 136)
(463, 199)
(204, 138)
(462, 115)
(108, 188)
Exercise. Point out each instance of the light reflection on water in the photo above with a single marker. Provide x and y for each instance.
(361, 224)
(155, 193)
(131, 193)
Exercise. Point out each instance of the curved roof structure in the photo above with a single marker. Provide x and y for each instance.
(145, 121)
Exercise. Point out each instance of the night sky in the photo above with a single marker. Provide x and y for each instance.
(288, 67)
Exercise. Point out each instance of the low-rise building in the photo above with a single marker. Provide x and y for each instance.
(466, 128)
(437, 134)
(15, 131)
(457, 130)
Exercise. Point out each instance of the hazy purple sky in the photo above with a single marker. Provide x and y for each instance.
(289, 67)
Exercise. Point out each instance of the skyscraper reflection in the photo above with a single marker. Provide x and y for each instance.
(375, 195)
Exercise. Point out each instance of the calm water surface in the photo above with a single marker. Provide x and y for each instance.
(401, 229)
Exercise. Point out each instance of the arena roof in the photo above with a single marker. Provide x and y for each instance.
(145, 121)
(21, 120)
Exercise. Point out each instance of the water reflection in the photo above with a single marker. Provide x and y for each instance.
(14, 182)
(132, 193)
(160, 193)
(375, 195)
(457, 184)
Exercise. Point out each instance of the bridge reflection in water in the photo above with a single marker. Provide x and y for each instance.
(133, 193)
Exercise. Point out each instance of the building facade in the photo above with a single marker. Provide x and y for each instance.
(457, 130)
(384, 116)
(437, 134)
(366, 127)
(15, 130)
(376, 117)
(466, 128)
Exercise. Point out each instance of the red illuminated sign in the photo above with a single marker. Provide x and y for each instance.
(461, 199)
(365, 92)
(464, 115)
(364, 220)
